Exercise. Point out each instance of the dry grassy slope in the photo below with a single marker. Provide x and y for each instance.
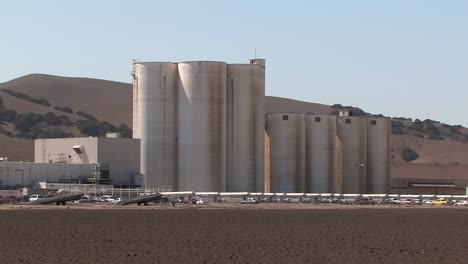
(107, 100)
(278, 104)
(112, 101)
(431, 151)
(16, 149)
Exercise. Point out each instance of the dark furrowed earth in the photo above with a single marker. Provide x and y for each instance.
(234, 236)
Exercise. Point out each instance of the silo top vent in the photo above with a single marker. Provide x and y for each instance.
(260, 62)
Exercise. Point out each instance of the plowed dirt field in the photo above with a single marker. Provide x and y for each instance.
(234, 236)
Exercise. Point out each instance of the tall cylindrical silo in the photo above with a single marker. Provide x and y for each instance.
(352, 133)
(378, 154)
(155, 120)
(286, 157)
(245, 127)
(202, 126)
(320, 149)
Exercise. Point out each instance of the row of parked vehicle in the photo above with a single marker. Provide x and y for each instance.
(440, 201)
(101, 199)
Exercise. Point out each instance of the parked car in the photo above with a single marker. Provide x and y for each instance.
(84, 199)
(441, 201)
(35, 197)
(107, 198)
(199, 201)
(249, 200)
(116, 200)
(394, 201)
(406, 201)
(461, 203)
(429, 202)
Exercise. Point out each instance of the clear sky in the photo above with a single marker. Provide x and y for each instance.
(397, 57)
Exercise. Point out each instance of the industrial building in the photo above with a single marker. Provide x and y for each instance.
(29, 174)
(202, 128)
(327, 154)
(201, 124)
(115, 160)
(424, 178)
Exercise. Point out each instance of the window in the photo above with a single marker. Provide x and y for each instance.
(373, 122)
(318, 119)
(348, 121)
(285, 117)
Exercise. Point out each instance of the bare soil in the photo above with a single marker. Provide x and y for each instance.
(154, 234)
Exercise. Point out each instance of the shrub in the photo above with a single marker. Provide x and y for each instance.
(86, 115)
(337, 106)
(88, 127)
(26, 121)
(7, 115)
(125, 131)
(64, 109)
(398, 131)
(26, 97)
(409, 155)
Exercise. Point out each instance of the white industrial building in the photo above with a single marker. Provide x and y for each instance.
(202, 128)
(92, 160)
(323, 154)
(201, 124)
(115, 159)
(29, 174)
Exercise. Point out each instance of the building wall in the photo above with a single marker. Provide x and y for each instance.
(378, 157)
(57, 150)
(352, 131)
(245, 127)
(286, 141)
(155, 120)
(320, 152)
(29, 173)
(122, 154)
(202, 125)
(123, 157)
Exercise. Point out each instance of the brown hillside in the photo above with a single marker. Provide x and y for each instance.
(107, 100)
(16, 149)
(278, 104)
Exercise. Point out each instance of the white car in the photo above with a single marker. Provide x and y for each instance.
(35, 197)
(461, 203)
(430, 202)
(107, 198)
(249, 200)
(116, 200)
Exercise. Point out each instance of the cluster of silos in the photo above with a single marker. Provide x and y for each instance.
(201, 124)
(322, 154)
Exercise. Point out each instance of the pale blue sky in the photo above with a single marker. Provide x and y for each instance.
(399, 57)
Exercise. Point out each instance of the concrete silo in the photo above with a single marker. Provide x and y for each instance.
(155, 120)
(202, 126)
(285, 132)
(320, 152)
(352, 131)
(378, 154)
(245, 126)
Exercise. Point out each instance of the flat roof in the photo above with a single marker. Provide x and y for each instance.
(429, 171)
(433, 185)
